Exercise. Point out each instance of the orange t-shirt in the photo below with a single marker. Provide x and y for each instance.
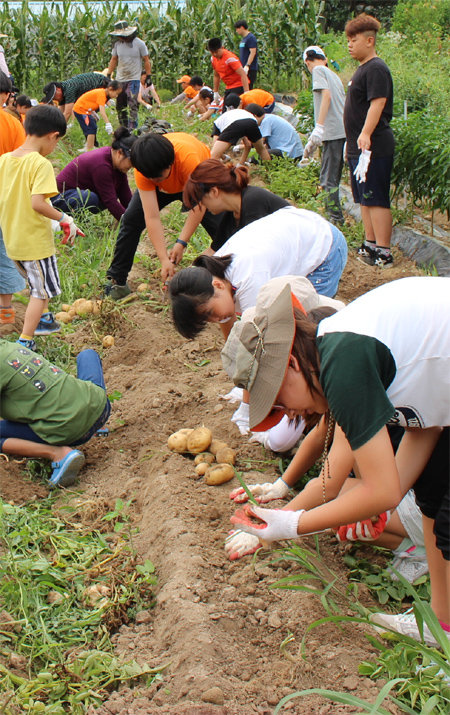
(90, 101)
(226, 68)
(257, 96)
(190, 92)
(12, 133)
(189, 152)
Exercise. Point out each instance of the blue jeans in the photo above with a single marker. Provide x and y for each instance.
(325, 278)
(127, 99)
(10, 279)
(89, 368)
(72, 200)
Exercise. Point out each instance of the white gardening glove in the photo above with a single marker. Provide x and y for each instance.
(241, 418)
(262, 492)
(309, 149)
(281, 437)
(70, 230)
(239, 544)
(316, 136)
(246, 69)
(362, 166)
(365, 530)
(108, 128)
(275, 524)
(216, 97)
(235, 395)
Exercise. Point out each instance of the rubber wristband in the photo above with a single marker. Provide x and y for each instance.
(183, 243)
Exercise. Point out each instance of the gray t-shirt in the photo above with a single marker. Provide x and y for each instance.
(129, 54)
(324, 78)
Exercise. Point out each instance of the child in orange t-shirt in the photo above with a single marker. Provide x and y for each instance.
(258, 96)
(85, 109)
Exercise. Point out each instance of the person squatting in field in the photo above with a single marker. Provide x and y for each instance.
(366, 366)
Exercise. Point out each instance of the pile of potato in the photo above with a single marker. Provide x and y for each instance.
(79, 308)
(214, 459)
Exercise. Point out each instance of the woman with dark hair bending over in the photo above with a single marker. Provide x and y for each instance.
(289, 241)
(224, 189)
(97, 180)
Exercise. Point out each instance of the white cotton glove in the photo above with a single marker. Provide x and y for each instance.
(239, 544)
(316, 136)
(70, 230)
(262, 492)
(216, 97)
(246, 69)
(362, 166)
(189, 113)
(241, 418)
(276, 524)
(235, 395)
(309, 149)
(282, 437)
(109, 128)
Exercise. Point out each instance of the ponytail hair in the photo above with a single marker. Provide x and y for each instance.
(212, 172)
(190, 289)
(123, 140)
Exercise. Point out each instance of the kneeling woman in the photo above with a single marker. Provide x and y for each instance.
(97, 180)
(290, 241)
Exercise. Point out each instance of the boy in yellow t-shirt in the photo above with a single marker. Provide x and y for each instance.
(85, 109)
(28, 181)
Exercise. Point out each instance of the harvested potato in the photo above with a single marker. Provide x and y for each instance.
(177, 441)
(84, 308)
(215, 445)
(96, 307)
(201, 468)
(73, 313)
(142, 288)
(63, 317)
(219, 474)
(199, 440)
(226, 455)
(186, 430)
(108, 341)
(78, 302)
(204, 457)
(66, 307)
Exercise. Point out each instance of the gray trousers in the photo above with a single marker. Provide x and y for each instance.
(330, 176)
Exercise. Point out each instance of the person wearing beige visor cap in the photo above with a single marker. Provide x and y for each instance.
(127, 56)
(365, 367)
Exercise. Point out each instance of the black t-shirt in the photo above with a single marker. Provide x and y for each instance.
(256, 203)
(370, 81)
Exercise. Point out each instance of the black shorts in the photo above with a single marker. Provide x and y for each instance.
(241, 128)
(433, 495)
(375, 190)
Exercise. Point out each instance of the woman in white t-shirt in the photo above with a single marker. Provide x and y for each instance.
(290, 241)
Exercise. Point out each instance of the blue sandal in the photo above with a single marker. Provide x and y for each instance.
(66, 471)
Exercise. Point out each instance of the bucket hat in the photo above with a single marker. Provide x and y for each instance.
(123, 29)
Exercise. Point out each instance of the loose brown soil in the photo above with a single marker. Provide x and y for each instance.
(215, 624)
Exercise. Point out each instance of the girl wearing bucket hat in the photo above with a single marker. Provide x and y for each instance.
(127, 56)
(366, 366)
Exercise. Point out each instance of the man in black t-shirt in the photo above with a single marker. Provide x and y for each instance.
(367, 113)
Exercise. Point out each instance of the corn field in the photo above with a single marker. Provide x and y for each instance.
(63, 40)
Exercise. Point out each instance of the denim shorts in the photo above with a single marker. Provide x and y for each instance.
(87, 123)
(10, 279)
(375, 190)
(325, 278)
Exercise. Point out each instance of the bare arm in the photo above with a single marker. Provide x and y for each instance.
(147, 64)
(251, 56)
(112, 65)
(325, 96)
(193, 219)
(372, 119)
(216, 81)
(156, 232)
(103, 114)
(240, 71)
(39, 204)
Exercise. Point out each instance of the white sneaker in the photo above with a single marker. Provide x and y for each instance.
(405, 623)
(411, 564)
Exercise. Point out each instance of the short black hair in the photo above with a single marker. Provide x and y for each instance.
(23, 100)
(255, 109)
(113, 84)
(197, 80)
(232, 100)
(240, 23)
(206, 94)
(45, 119)
(215, 43)
(152, 154)
(189, 289)
(5, 83)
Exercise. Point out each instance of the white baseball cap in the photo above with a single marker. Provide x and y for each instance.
(314, 52)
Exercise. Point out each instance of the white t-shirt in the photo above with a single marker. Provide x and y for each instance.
(290, 241)
(129, 55)
(231, 116)
(411, 318)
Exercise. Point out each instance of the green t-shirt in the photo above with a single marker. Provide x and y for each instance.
(355, 372)
(57, 406)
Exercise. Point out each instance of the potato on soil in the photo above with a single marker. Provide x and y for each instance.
(142, 288)
(72, 312)
(199, 440)
(215, 445)
(226, 455)
(108, 341)
(204, 457)
(201, 468)
(84, 308)
(177, 441)
(78, 302)
(66, 307)
(96, 307)
(63, 317)
(219, 474)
